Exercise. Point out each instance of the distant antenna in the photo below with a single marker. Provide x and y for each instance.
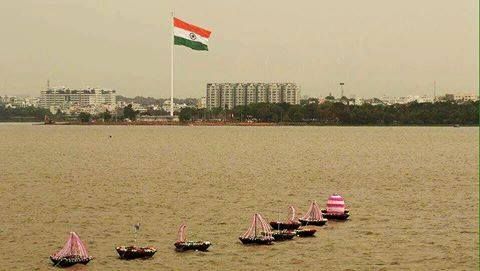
(48, 84)
(434, 90)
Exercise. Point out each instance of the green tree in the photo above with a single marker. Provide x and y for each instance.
(186, 114)
(129, 113)
(85, 117)
(106, 116)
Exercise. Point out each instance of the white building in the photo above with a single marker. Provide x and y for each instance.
(63, 98)
(230, 95)
(463, 97)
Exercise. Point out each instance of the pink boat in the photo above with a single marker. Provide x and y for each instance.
(292, 222)
(182, 244)
(74, 251)
(313, 216)
(336, 208)
(260, 236)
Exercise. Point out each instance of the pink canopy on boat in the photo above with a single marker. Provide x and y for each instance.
(292, 215)
(182, 235)
(335, 204)
(258, 222)
(73, 247)
(313, 213)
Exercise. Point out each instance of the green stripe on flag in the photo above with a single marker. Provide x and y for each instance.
(195, 45)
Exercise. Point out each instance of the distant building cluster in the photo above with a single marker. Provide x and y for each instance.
(230, 95)
(390, 100)
(462, 97)
(19, 102)
(67, 100)
(218, 95)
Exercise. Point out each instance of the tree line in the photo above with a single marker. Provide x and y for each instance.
(308, 112)
(25, 114)
(337, 113)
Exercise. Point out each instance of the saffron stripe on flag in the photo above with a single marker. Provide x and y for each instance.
(192, 28)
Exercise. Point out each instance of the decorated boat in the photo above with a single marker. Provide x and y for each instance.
(135, 252)
(305, 232)
(74, 251)
(291, 223)
(336, 208)
(282, 235)
(182, 244)
(258, 233)
(313, 216)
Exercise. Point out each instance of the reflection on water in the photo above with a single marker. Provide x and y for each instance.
(412, 192)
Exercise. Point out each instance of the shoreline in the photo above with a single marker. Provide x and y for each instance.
(246, 124)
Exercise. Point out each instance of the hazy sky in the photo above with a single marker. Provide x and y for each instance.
(375, 46)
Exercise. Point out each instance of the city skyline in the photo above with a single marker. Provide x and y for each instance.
(124, 46)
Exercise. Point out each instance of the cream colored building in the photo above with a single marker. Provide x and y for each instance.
(65, 97)
(230, 95)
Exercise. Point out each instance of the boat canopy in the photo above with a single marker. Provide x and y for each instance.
(313, 212)
(258, 222)
(292, 215)
(335, 204)
(182, 235)
(73, 247)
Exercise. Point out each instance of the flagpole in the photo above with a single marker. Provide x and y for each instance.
(171, 69)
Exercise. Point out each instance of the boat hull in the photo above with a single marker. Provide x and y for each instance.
(336, 216)
(130, 253)
(256, 241)
(184, 246)
(305, 232)
(283, 235)
(277, 225)
(313, 222)
(69, 261)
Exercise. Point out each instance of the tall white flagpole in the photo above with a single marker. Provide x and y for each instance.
(171, 71)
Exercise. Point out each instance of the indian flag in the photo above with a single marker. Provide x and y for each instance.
(190, 35)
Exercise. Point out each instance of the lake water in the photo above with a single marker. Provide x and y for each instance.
(412, 191)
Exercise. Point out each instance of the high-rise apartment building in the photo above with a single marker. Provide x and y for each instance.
(230, 95)
(64, 97)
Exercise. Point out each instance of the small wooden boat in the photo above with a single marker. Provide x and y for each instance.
(283, 235)
(336, 216)
(251, 237)
(292, 222)
(134, 252)
(305, 232)
(69, 261)
(313, 216)
(336, 208)
(182, 244)
(74, 251)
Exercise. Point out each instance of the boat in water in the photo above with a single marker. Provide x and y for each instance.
(305, 232)
(135, 252)
(73, 252)
(291, 223)
(182, 244)
(282, 235)
(313, 216)
(258, 233)
(336, 208)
